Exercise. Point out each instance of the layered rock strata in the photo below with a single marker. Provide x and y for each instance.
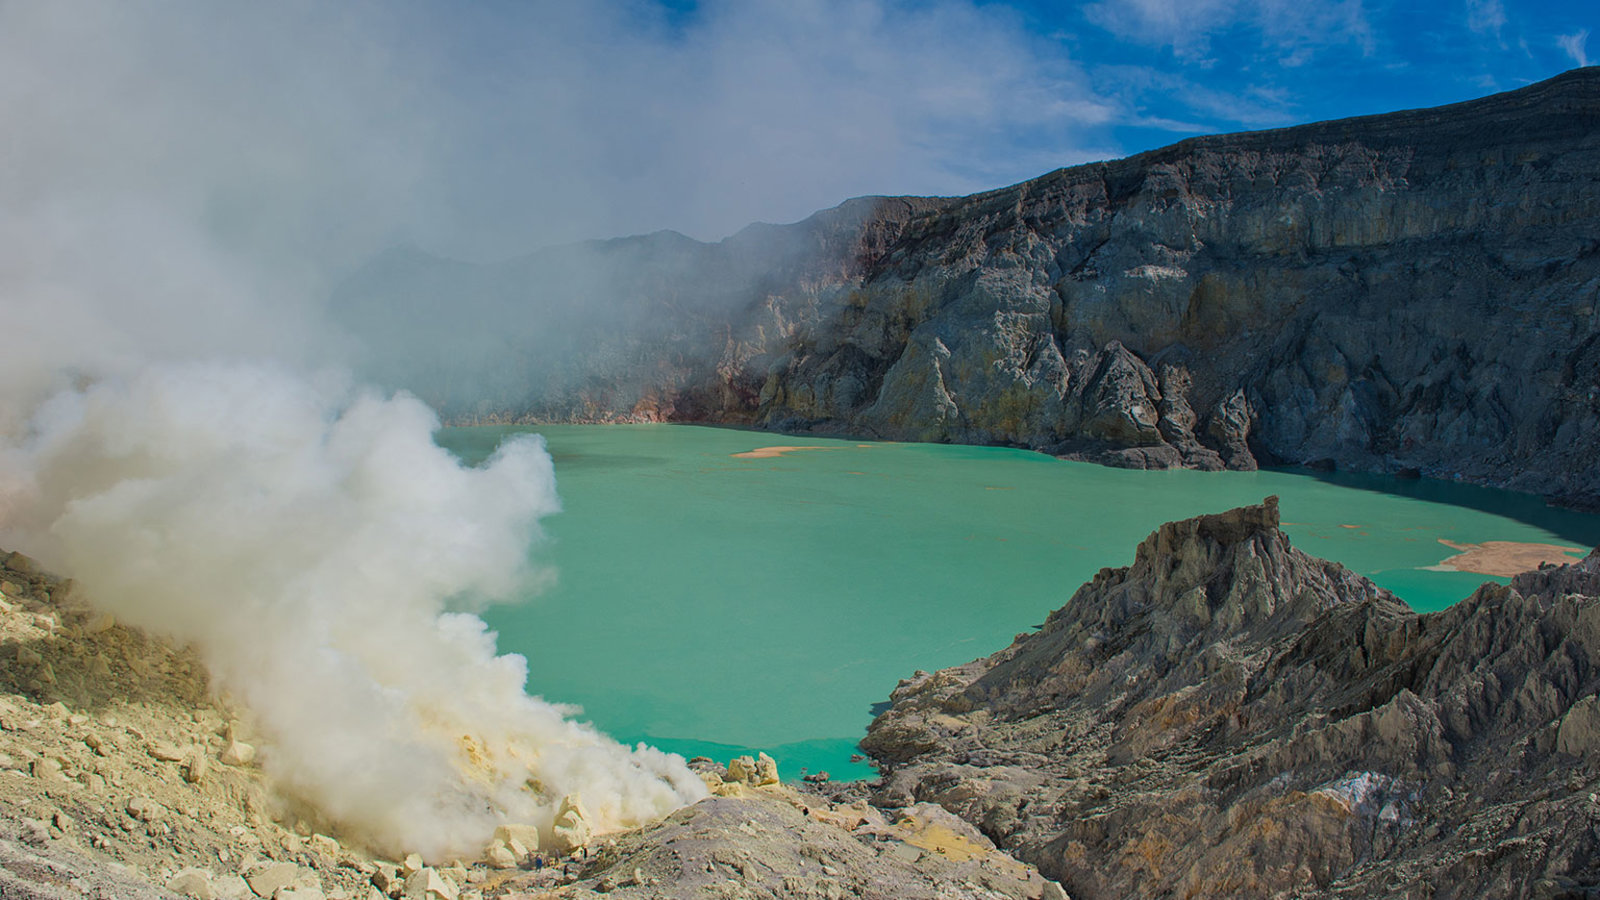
(1413, 292)
(1228, 717)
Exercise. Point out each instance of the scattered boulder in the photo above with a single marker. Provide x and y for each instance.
(325, 846)
(237, 753)
(269, 879)
(428, 883)
(99, 666)
(519, 839)
(166, 751)
(742, 770)
(193, 882)
(388, 878)
(571, 828)
(195, 765)
(231, 887)
(501, 856)
(145, 809)
(766, 770)
(47, 769)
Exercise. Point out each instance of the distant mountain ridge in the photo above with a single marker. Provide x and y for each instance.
(1411, 292)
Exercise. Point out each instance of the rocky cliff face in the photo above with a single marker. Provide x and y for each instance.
(1228, 717)
(1413, 292)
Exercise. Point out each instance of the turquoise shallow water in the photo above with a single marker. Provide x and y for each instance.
(712, 604)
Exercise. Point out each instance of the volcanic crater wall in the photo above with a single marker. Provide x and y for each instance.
(1416, 292)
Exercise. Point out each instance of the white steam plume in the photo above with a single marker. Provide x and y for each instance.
(183, 180)
(180, 182)
(305, 538)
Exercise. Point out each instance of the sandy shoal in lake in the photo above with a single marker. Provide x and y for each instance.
(771, 452)
(1504, 558)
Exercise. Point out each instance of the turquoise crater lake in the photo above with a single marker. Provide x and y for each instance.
(708, 602)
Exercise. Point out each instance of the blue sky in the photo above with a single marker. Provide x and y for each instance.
(304, 131)
(1175, 68)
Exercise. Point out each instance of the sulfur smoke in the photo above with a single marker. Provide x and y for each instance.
(306, 536)
(180, 185)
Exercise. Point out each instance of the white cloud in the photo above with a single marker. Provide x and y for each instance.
(303, 134)
(1283, 28)
(1205, 108)
(1573, 45)
(1186, 27)
(765, 110)
(1486, 16)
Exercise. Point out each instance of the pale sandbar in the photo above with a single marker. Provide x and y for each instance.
(771, 452)
(1504, 558)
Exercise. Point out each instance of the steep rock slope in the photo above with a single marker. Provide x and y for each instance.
(1415, 292)
(1228, 717)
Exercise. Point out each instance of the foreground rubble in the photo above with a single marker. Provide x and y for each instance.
(118, 767)
(121, 776)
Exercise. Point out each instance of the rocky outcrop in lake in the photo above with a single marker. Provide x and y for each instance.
(1228, 717)
(1416, 292)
